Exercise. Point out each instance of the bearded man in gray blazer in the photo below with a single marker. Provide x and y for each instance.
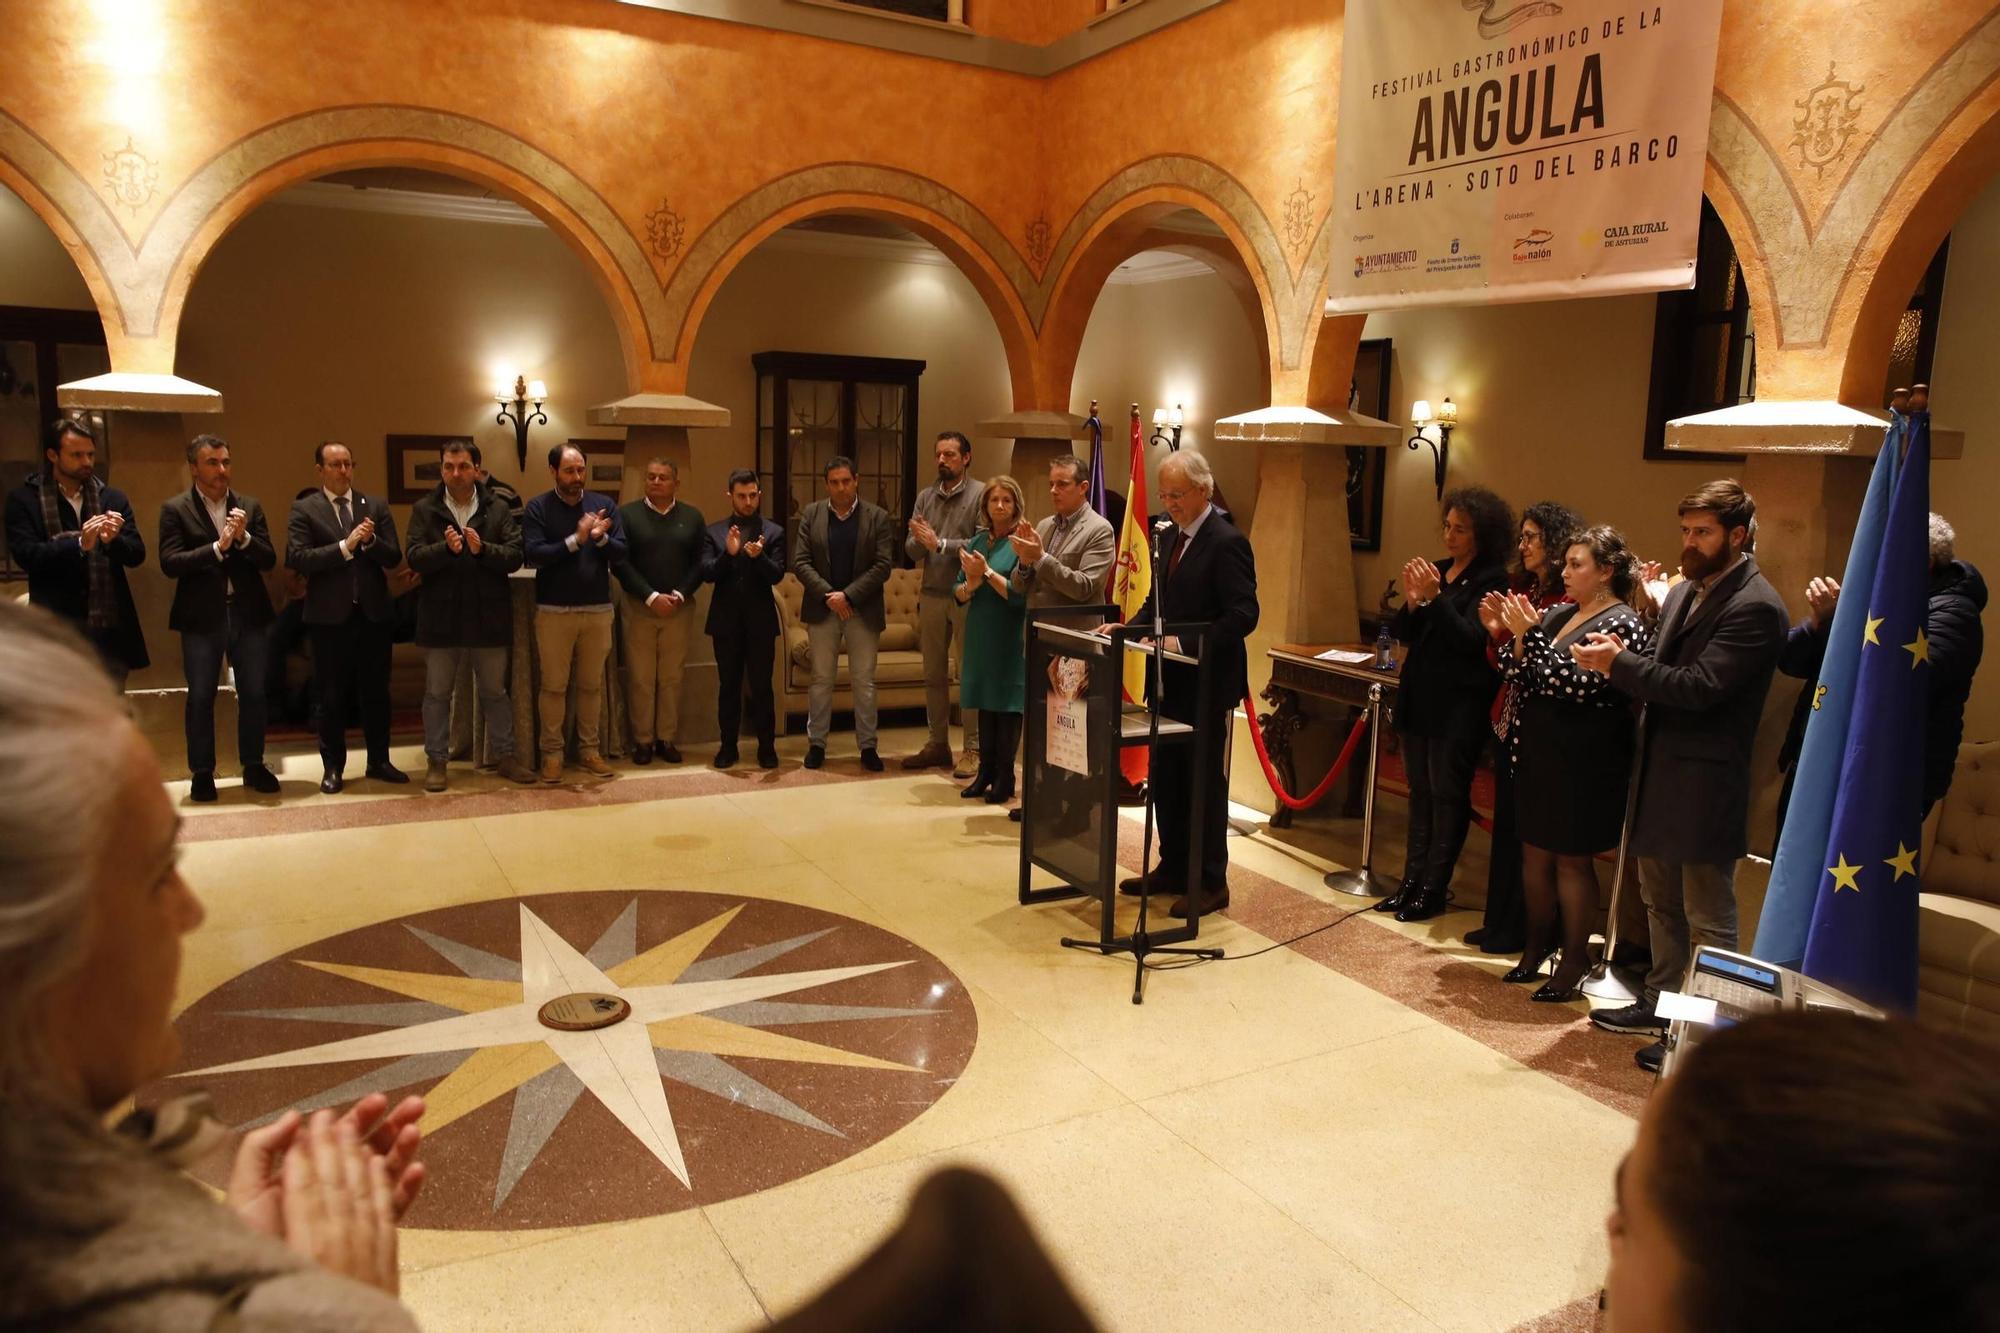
(844, 550)
(1703, 683)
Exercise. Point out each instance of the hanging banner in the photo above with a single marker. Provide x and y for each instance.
(1519, 150)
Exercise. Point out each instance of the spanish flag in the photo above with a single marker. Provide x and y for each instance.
(1131, 581)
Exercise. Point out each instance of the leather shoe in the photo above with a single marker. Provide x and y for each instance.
(1014, 815)
(201, 787)
(1139, 885)
(257, 777)
(331, 783)
(931, 756)
(434, 776)
(767, 754)
(552, 767)
(1500, 944)
(815, 756)
(642, 754)
(594, 765)
(514, 770)
(1426, 904)
(726, 757)
(977, 788)
(967, 765)
(1528, 971)
(1549, 994)
(871, 760)
(1210, 900)
(1650, 1058)
(665, 752)
(387, 772)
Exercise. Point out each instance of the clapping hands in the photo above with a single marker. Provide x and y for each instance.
(1493, 614)
(1421, 580)
(334, 1189)
(1518, 613)
(1596, 652)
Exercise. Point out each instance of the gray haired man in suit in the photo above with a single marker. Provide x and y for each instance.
(1703, 685)
(1065, 560)
(844, 551)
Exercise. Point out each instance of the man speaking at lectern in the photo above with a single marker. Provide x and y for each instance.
(1206, 573)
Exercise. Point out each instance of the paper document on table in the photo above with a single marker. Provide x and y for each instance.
(1349, 656)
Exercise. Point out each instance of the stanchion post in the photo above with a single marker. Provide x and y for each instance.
(1363, 882)
(1602, 983)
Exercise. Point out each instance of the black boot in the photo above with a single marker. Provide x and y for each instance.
(1008, 725)
(1424, 904)
(1404, 893)
(989, 746)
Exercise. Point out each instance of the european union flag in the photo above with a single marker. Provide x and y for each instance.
(1863, 938)
(1800, 863)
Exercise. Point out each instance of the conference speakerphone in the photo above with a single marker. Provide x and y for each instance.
(1724, 988)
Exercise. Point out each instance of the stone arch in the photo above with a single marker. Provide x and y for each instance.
(1902, 258)
(947, 220)
(1821, 283)
(1120, 219)
(146, 280)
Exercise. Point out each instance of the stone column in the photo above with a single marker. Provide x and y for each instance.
(151, 418)
(1039, 438)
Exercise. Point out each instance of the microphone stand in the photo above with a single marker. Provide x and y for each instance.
(1141, 942)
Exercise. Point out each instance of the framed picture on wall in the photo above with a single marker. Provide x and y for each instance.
(413, 465)
(1368, 393)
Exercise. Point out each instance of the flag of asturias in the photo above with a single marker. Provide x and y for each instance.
(1800, 863)
(1863, 938)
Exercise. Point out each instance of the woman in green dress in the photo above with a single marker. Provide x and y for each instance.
(993, 676)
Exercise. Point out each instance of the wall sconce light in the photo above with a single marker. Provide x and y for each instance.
(514, 407)
(1165, 421)
(1445, 419)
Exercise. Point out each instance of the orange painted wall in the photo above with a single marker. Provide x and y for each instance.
(659, 113)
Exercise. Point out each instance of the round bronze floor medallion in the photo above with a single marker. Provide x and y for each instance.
(584, 1011)
(593, 1057)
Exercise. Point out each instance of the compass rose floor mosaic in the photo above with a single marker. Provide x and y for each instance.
(690, 1040)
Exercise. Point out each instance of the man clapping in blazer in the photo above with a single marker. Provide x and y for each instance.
(845, 549)
(345, 543)
(215, 545)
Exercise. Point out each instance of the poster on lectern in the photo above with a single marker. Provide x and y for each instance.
(1519, 150)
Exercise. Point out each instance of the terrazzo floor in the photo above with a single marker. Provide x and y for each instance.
(833, 981)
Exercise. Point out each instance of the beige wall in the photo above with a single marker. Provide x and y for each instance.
(1966, 368)
(1185, 340)
(1553, 397)
(34, 267)
(319, 323)
(795, 300)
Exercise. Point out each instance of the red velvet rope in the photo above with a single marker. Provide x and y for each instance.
(1312, 797)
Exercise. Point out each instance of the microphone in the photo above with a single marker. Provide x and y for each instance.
(1163, 524)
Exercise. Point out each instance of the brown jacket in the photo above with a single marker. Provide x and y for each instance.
(137, 1245)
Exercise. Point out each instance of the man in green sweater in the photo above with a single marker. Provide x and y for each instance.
(660, 573)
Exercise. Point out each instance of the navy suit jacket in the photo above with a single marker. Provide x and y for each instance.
(743, 583)
(335, 583)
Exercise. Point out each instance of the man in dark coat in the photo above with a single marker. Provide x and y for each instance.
(465, 541)
(1703, 685)
(345, 544)
(76, 538)
(1208, 575)
(215, 545)
(845, 549)
(1951, 625)
(744, 557)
